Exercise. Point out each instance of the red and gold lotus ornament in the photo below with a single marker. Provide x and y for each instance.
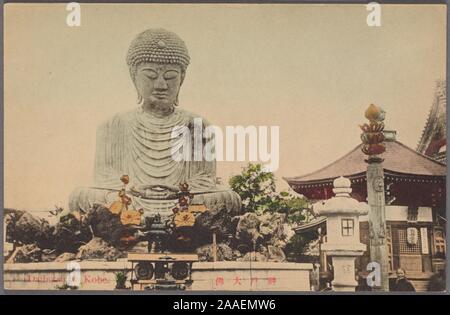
(372, 135)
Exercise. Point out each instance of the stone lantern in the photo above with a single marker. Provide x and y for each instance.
(343, 245)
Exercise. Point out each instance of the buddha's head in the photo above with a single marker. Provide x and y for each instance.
(157, 60)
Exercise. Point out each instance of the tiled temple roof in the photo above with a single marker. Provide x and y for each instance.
(398, 158)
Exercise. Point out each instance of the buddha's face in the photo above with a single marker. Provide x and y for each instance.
(158, 84)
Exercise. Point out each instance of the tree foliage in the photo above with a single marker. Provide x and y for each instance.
(298, 244)
(257, 189)
(255, 186)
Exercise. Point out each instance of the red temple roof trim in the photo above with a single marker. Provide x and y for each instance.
(433, 137)
(399, 160)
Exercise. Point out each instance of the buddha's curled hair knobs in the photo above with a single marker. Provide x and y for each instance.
(160, 46)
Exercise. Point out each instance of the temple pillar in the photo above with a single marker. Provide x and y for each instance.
(377, 222)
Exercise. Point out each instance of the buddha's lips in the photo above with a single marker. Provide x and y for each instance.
(160, 95)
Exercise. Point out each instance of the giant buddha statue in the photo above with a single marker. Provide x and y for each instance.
(139, 143)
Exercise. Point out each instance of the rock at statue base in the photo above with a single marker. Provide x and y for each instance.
(275, 254)
(107, 225)
(99, 249)
(254, 256)
(271, 227)
(247, 230)
(48, 255)
(224, 252)
(70, 233)
(140, 248)
(12, 215)
(236, 255)
(218, 221)
(26, 254)
(65, 257)
(25, 228)
(253, 231)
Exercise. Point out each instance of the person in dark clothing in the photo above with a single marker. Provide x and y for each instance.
(402, 283)
(362, 284)
(314, 277)
(437, 281)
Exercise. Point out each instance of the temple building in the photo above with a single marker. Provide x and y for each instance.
(415, 190)
(433, 142)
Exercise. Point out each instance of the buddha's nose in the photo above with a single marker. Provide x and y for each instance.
(161, 84)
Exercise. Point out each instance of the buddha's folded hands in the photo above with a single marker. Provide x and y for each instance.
(155, 191)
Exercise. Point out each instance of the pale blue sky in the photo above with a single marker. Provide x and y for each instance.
(310, 69)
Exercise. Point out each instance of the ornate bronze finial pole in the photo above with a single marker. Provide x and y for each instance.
(373, 138)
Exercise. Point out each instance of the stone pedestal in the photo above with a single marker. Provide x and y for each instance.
(207, 276)
(344, 265)
(342, 213)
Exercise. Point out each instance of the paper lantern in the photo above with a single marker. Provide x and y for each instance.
(412, 236)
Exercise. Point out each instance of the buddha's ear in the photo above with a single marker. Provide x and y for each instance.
(183, 73)
(139, 97)
(133, 77)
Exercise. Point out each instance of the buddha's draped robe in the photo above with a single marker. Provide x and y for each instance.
(141, 145)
